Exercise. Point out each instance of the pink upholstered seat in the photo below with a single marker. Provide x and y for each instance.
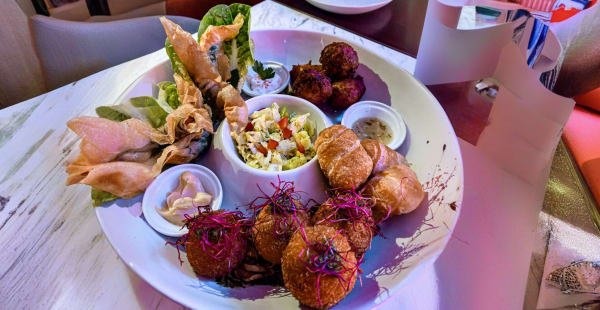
(582, 137)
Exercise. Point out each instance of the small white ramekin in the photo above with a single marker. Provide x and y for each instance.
(166, 182)
(280, 70)
(387, 114)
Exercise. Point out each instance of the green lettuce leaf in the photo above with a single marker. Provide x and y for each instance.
(145, 108)
(239, 50)
(176, 63)
(218, 15)
(167, 95)
(99, 197)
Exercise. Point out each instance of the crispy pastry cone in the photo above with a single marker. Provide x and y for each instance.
(195, 60)
(188, 92)
(185, 120)
(181, 152)
(120, 178)
(235, 108)
(217, 34)
(222, 64)
(104, 140)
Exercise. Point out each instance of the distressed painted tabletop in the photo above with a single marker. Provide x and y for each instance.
(54, 253)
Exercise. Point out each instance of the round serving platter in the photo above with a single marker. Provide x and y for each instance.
(411, 242)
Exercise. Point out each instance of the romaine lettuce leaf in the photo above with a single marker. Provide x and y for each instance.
(239, 50)
(167, 94)
(145, 108)
(218, 15)
(99, 197)
(176, 63)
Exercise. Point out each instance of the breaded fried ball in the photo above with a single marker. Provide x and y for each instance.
(347, 92)
(312, 86)
(272, 232)
(339, 60)
(230, 245)
(359, 233)
(302, 282)
(297, 69)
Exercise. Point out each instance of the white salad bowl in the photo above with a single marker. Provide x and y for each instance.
(156, 196)
(250, 182)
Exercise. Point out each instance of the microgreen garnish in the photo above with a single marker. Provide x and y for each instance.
(285, 206)
(216, 232)
(324, 259)
(264, 73)
(348, 206)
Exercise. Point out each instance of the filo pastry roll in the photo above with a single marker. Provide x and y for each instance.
(382, 156)
(395, 191)
(343, 160)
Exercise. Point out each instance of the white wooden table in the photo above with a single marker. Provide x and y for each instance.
(55, 255)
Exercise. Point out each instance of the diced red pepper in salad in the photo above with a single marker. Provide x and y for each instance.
(272, 144)
(262, 149)
(286, 133)
(249, 127)
(299, 145)
(283, 123)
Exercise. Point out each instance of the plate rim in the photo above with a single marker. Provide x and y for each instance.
(344, 9)
(184, 300)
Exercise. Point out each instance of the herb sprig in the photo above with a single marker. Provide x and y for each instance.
(263, 72)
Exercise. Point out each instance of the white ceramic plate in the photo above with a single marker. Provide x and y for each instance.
(349, 7)
(410, 245)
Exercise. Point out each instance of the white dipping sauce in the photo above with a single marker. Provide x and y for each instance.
(185, 199)
(261, 86)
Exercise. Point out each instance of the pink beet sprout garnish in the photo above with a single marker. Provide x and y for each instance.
(216, 231)
(284, 204)
(325, 260)
(349, 206)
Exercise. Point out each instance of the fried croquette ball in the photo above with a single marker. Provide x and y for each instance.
(297, 69)
(312, 86)
(272, 232)
(215, 244)
(339, 60)
(300, 263)
(359, 232)
(347, 92)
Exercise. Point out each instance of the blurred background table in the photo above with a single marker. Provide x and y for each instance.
(397, 25)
